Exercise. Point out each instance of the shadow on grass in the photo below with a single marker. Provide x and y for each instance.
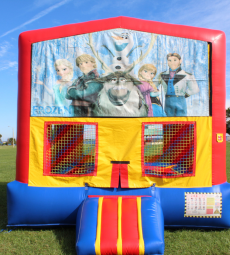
(3, 203)
(198, 229)
(66, 236)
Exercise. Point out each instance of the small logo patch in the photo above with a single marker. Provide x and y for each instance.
(219, 138)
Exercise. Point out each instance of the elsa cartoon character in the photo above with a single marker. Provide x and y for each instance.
(64, 69)
(149, 90)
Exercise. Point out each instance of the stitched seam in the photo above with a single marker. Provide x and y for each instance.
(80, 222)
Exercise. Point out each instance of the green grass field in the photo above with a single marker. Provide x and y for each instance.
(61, 240)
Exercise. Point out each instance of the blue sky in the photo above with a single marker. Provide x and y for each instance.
(19, 16)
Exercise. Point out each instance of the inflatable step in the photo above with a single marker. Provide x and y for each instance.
(120, 225)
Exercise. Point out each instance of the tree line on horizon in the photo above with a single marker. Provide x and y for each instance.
(8, 142)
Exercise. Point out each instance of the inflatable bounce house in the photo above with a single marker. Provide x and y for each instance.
(121, 127)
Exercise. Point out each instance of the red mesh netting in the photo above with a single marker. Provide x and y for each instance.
(169, 149)
(70, 149)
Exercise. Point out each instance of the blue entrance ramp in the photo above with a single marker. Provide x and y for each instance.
(120, 225)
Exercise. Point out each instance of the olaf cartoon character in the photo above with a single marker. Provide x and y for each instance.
(123, 45)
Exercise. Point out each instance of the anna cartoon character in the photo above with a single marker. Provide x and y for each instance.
(149, 90)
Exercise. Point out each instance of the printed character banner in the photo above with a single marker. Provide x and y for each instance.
(120, 73)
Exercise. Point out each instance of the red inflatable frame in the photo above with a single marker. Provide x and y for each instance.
(216, 38)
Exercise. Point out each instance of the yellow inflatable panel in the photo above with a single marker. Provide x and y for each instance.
(120, 139)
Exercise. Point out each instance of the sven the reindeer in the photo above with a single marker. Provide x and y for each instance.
(120, 95)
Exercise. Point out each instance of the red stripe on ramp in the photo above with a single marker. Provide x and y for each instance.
(130, 236)
(115, 176)
(124, 175)
(109, 226)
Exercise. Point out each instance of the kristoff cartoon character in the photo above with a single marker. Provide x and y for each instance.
(84, 91)
(177, 85)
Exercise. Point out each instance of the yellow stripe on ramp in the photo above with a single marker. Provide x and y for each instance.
(141, 240)
(98, 237)
(119, 237)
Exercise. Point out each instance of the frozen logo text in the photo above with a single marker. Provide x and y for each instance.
(51, 110)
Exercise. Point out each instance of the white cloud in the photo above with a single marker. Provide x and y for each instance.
(213, 15)
(97, 8)
(8, 64)
(36, 17)
(40, 3)
(4, 48)
(129, 4)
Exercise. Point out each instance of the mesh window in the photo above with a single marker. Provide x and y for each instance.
(70, 149)
(169, 149)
